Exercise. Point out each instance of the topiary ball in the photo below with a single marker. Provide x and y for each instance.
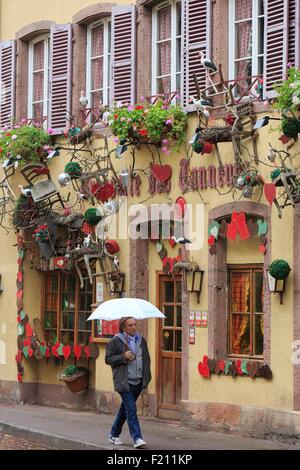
(279, 269)
(92, 217)
(73, 169)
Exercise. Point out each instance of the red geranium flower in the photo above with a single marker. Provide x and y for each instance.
(8, 134)
(143, 132)
(116, 116)
(138, 108)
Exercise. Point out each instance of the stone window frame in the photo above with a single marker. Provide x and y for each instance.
(218, 283)
(80, 22)
(23, 37)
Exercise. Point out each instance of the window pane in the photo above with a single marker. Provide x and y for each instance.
(51, 302)
(240, 334)
(164, 58)
(258, 292)
(178, 55)
(38, 86)
(178, 316)
(243, 9)
(97, 99)
(178, 339)
(67, 337)
(164, 23)
(168, 340)
(240, 292)
(260, 7)
(243, 40)
(259, 335)
(169, 313)
(169, 291)
(97, 40)
(50, 320)
(38, 109)
(109, 37)
(38, 56)
(82, 322)
(178, 292)
(97, 74)
(260, 35)
(260, 66)
(178, 19)
(164, 85)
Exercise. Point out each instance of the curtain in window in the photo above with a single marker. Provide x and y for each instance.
(38, 79)
(243, 35)
(164, 48)
(240, 303)
(97, 65)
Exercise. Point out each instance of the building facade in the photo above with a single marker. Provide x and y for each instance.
(225, 357)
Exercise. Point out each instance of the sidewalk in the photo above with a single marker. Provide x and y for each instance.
(67, 429)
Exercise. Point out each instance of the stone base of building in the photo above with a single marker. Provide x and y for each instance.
(248, 421)
(59, 396)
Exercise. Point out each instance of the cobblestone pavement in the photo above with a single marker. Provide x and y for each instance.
(8, 442)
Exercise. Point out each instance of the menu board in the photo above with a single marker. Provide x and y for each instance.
(103, 329)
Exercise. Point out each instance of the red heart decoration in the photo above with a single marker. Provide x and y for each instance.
(262, 249)
(66, 352)
(19, 377)
(203, 368)
(20, 294)
(221, 365)
(172, 243)
(232, 231)
(29, 330)
(77, 351)
(87, 352)
(270, 192)
(238, 367)
(30, 352)
(19, 319)
(27, 342)
(18, 357)
(211, 240)
(105, 192)
(54, 351)
(180, 206)
(19, 276)
(162, 172)
(47, 354)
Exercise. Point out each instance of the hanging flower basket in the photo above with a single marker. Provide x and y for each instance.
(76, 378)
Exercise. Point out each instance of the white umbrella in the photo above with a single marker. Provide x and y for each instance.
(115, 309)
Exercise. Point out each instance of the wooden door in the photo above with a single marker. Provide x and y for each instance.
(169, 346)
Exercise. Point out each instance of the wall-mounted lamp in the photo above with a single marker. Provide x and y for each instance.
(193, 279)
(277, 275)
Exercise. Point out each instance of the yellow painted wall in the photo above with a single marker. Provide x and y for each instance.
(277, 393)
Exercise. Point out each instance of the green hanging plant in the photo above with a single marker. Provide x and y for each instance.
(73, 169)
(279, 269)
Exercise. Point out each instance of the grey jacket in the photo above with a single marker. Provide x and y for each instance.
(114, 358)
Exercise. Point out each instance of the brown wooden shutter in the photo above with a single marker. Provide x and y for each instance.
(8, 81)
(276, 44)
(196, 36)
(123, 53)
(61, 77)
(293, 34)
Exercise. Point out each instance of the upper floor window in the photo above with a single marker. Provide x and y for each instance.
(99, 63)
(246, 39)
(166, 47)
(39, 69)
(246, 306)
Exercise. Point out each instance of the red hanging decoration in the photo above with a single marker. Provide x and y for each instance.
(87, 352)
(203, 368)
(66, 352)
(77, 351)
(28, 330)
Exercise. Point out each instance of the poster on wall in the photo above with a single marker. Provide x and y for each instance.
(192, 335)
(204, 319)
(198, 319)
(192, 318)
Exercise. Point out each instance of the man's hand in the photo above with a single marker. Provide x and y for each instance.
(129, 355)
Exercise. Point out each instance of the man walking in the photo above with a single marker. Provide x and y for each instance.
(127, 354)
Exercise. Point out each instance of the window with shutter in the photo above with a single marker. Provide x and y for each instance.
(196, 37)
(166, 47)
(60, 81)
(246, 42)
(98, 63)
(123, 53)
(276, 44)
(38, 78)
(7, 79)
(294, 33)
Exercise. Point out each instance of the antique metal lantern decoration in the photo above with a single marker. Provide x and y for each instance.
(193, 278)
(277, 274)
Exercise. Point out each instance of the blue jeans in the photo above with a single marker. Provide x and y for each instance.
(128, 411)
